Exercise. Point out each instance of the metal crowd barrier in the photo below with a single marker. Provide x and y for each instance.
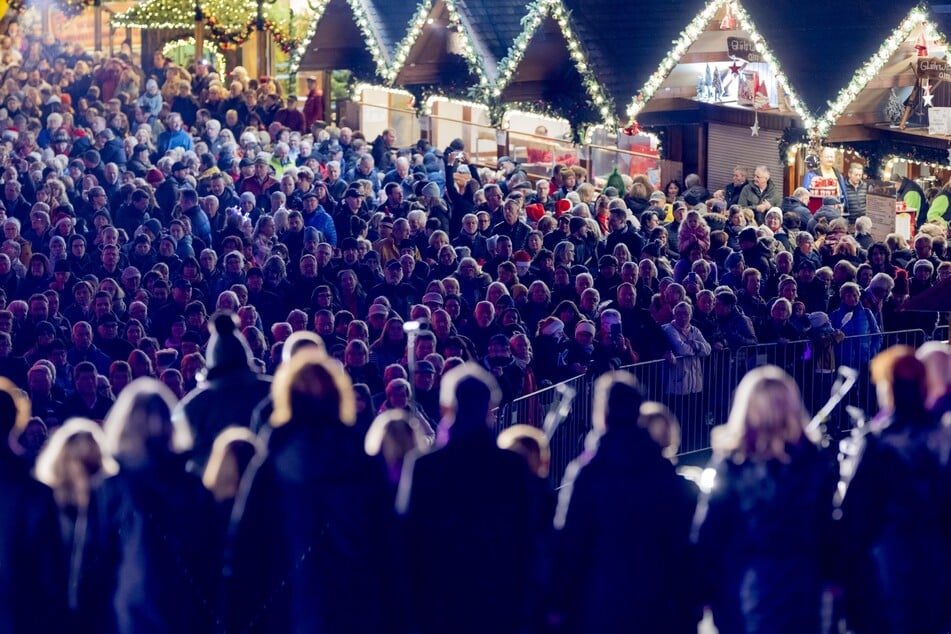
(698, 412)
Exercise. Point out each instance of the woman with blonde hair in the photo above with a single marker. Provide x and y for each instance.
(313, 541)
(764, 518)
(73, 463)
(156, 519)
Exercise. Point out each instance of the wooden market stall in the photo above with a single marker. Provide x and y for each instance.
(894, 110)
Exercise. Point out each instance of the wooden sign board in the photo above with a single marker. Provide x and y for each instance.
(742, 48)
(933, 68)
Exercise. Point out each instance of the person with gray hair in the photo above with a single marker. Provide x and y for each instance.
(761, 194)
(470, 506)
(863, 232)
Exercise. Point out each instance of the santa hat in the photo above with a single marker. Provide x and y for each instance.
(521, 256)
(535, 211)
(561, 207)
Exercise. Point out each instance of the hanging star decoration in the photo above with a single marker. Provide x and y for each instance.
(755, 127)
(735, 68)
(927, 96)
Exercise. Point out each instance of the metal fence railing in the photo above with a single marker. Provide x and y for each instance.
(700, 410)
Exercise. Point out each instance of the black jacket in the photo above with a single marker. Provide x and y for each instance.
(895, 529)
(622, 546)
(313, 547)
(471, 521)
(32, 566)
(764, 534)
(157, 541)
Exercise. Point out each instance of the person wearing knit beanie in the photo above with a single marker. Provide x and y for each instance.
(230, 391)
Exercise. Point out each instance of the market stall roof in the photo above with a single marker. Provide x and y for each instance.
(180, 14)
(492, 26)
(821, 45)
(390, 21)
(888, 64)
(548, 66)
(343, 36)
(438, 50)
(718, 42)
(623, 63)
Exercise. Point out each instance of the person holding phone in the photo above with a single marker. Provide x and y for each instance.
(612, 350)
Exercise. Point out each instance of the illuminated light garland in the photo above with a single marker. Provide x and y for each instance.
(229, 39)
(317, 8)
(418, 23)
(72, 8)
(692, 33)
(917, 18)
(169, 47)
(359, 88)
(537, 12)
(474, 59)
(433, 99)
(369, 36)
(890, 164)
(180, 14)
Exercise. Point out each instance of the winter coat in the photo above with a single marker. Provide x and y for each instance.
(856, 350)
(226, 400)
(737, 329)
(751, 196)
(32, 566)
(312, 548)
(471, 515)
(763, 536)
(622, 546)
(686, 375)
(157, 540)
(894, 528)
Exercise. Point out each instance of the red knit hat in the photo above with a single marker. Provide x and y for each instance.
(154, 176)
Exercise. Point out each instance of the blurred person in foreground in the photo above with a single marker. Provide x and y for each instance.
(896, 508)
(623, 523)
(764, 519)
(313, 523)
(156, 519)
(32, 567)
(471, 519)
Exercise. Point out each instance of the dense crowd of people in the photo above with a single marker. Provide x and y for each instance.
(173, 238)
(136, 202)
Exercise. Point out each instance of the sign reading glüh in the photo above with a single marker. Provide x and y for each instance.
(932, 68)
(742, 48)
